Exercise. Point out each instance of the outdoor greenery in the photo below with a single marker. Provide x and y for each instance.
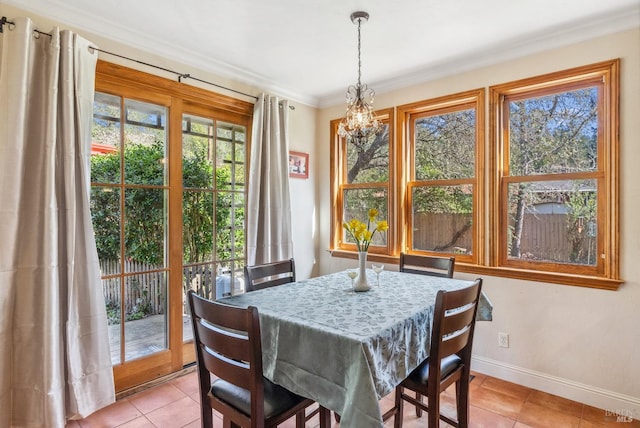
(445, 147)
(554, 134)
(367, 161)
(145, 207)
(368, 158)
(445, 150)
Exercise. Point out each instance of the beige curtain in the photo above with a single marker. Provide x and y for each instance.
(54, 354)
(269, 205)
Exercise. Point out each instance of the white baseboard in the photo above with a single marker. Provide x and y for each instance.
(586, 394)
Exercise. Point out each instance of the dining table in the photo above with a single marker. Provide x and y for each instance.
(345, 349)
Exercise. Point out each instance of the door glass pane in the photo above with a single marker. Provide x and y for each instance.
(201, 278)
(230, 276)
(105, 214)
(145, 311)
(238, 226)
(145, 228)
(224, 225)
(198, 227)
(197, 156)
(105, 139)
(553, 221)
(145, 137)
(442, 218)
(111, 291)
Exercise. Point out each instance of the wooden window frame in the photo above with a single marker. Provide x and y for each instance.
(606, 272)
(338, 185)
(487, 258)
(407, 115)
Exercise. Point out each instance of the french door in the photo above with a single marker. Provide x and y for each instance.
(168, 181)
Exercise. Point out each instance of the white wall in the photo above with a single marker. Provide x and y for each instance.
(304, 215)
(580, 343)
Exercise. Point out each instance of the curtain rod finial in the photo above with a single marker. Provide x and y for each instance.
(3, 21)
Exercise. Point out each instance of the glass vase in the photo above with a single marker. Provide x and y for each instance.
(362, 283)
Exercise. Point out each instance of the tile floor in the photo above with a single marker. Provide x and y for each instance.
(494, 404)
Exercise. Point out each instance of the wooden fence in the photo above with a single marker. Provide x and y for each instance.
(435, 231)
(143, 292)
(544, 237)
(146, 291)
(547, 237)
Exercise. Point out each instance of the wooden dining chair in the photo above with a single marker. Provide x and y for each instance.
(228, 346)
(427, 265)
(449, 359)
(267, 275)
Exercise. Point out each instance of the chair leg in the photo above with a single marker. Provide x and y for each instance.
(300, 419)
(325, 417)
(433, 415)
(397, 419)
(418, 409)
(462, 402)
(206, 415)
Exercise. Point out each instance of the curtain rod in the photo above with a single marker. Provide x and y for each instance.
(4, 21)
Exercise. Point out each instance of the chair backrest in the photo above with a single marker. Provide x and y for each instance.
(267, 275)
(454, 321)
(229, 346)
(427, 265)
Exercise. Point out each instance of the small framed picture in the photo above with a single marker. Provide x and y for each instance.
(298, 164)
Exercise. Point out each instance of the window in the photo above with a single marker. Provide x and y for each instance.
(540, 204)
(555, 174)
(363, 179)
(444, 143)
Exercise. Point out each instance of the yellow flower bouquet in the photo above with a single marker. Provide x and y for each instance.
(362, 233)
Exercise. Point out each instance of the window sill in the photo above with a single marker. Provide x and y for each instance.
(550, 277)
(528, 275)
(371, 257)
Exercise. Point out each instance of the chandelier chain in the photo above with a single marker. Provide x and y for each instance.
(359, 61)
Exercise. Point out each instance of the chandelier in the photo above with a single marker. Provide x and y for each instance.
(360, 122)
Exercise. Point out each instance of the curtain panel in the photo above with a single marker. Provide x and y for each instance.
(269, 205)
(55, 359)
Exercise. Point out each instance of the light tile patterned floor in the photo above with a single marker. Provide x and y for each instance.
(494, 404)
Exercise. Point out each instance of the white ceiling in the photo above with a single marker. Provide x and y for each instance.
(306, 50)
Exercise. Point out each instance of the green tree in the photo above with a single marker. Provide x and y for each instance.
(368, 158)
(145, 207)
(445, 150)
(581, 223)
(547, 135)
